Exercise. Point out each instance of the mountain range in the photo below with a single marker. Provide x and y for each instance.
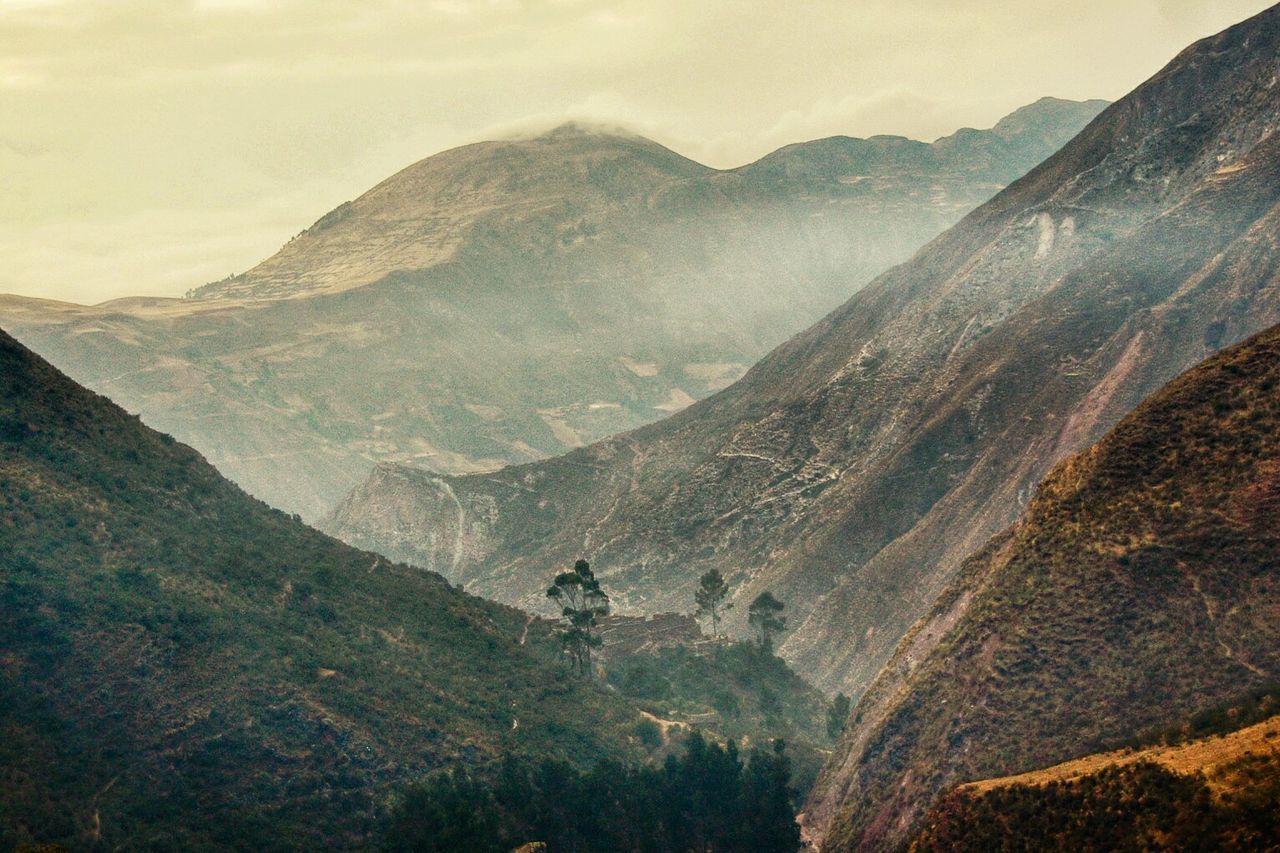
(856, 466)
(506, 301)
(1018, 496)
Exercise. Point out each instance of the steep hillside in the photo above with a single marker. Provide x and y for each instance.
(1221, 793)
(1141, 587)
(856, 466)
(506, 301)
(182, 667)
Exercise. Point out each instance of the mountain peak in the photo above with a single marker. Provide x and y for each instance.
(422, 216)
(586, 129)
(1047, 109)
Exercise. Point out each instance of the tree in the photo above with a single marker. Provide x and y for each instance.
(837, 715)
(582, 603)
(709, 596)
(766, 619)
(769, 821)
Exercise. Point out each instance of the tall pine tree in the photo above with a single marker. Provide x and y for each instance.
(710, 598)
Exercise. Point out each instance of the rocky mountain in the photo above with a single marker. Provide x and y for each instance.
(855, 467)
(182, 667)
(1140, 588)
(505, 301)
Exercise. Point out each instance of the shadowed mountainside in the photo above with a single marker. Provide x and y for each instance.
(1139, 589)
(506, 301)
(856, 466)
(182, 667)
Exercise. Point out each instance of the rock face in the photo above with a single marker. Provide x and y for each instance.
(856, 466)
(1141, 587)
(506, 301)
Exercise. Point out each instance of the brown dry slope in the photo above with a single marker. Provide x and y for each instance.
(855, 467)
(1218, 793)
(506, 301)
(1141, 587)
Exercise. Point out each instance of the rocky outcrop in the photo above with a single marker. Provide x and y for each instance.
(855, 467)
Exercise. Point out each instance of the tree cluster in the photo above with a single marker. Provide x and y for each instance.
(708, 800)
(837, 715)
(764, 615)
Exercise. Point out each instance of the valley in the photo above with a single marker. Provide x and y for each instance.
(856, 466)
(563, 494)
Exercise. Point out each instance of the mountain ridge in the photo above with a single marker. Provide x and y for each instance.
(1219, 793)
(489, 308)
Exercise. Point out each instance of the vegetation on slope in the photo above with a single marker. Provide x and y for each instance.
(181, 666)
(709, 799)
(1221, 793)
(1136, 807)
(732, 691)
(1253, 707)
(1139, 589)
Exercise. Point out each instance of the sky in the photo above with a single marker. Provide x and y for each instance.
(150, 146)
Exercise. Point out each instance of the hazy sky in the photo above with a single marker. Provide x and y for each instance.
(149, 146)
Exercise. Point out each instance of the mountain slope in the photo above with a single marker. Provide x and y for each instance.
(505, 301)
(1140, 588)
(856, 466)
(182, 667)
(1221, 794)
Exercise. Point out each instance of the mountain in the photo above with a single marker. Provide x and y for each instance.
(1139, 589)
(182, 667)
(855, 467)
(506, 301)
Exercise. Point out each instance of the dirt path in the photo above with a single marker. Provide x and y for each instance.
(665, 725)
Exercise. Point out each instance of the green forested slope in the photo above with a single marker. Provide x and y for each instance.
(181, 666)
